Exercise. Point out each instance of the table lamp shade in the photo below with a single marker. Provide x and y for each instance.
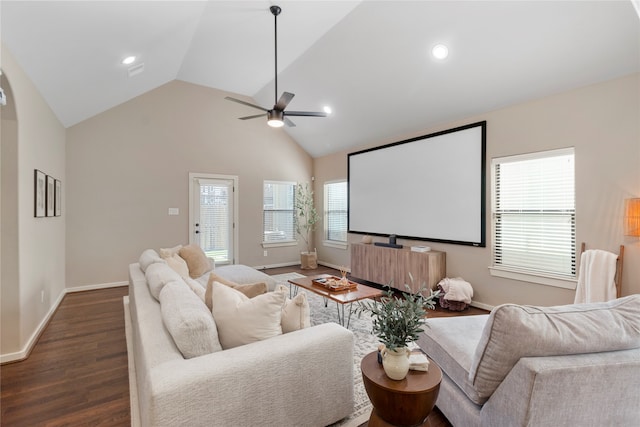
(632, 217)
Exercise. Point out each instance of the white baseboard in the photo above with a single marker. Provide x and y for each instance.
(33, 339)
(95, 287)
(284, 264)
(337, 267)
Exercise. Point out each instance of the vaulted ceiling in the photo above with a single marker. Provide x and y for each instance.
(369, 61)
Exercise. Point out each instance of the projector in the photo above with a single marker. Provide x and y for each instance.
(3, 97)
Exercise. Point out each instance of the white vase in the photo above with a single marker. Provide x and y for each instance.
(396, 363)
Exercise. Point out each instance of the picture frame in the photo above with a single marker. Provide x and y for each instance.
(58, 198)
(39, 193)
(50, 196)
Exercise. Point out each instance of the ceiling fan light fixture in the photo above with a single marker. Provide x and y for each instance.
(275, 118)
(440, 51)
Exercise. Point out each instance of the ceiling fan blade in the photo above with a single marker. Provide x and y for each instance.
(288, 122)
(305, 113)
(252, 117)
(245, 103)
(284, 100)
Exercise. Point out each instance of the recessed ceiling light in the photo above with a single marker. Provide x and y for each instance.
(327, 109)
(129, 60)
(440, 51)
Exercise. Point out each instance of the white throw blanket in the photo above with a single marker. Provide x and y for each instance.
(596, 277)
(457, 289)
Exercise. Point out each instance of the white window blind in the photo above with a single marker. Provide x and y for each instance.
(215, 218)
(278, 214)
(335, 211)
(534, 224)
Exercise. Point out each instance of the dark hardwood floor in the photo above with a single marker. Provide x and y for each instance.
(77, 373)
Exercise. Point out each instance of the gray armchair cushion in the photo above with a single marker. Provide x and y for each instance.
(515, 331)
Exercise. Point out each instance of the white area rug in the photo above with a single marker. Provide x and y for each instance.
(365, 343)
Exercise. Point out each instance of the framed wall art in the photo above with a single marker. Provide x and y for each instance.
(40, 194)
(58, 198)
(50, 196)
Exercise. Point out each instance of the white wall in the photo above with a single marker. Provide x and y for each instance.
(128, 165)
(602, 122)
(40, 245)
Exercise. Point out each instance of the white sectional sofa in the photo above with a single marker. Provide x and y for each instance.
(573, 365)
(302, 378)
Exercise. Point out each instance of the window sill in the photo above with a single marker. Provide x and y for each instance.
(335, 244)
(547, 280)
(279, 244)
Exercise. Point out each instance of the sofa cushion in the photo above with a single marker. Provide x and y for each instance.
(243, 320)
(158, 275)
(196, 259)
(147, 258)
(514, 331)
(188, 320)
(451, 343)
(196, 287)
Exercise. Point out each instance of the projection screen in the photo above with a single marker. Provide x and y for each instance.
(427, 188)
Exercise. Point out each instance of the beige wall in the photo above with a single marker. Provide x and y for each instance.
(128, 165)
(39, 249)
(602, 122)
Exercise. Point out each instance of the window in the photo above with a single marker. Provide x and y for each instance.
(335, 213)
(534, 219)
(278, 214)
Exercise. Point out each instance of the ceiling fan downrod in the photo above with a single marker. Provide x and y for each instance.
(275, 10)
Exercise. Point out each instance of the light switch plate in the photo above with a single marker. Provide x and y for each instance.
(174, 211)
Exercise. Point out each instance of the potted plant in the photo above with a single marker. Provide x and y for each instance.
(397, 321)
(305, 223)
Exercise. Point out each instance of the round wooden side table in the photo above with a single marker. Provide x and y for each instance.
(405, 403)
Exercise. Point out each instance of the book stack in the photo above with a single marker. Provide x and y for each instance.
(418, 362)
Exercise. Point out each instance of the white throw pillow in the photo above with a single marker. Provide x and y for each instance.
(242, 320)
(188, 320)
(296, 313)
(158, 275)
(147, 258)
(178, 264)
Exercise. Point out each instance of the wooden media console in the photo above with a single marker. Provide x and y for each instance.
(389, 266)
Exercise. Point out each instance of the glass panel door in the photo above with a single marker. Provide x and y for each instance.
(213, 218)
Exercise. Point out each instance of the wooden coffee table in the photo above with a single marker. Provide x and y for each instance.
(407, 402)
(342, 298)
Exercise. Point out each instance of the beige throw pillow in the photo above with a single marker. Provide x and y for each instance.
(178, 265)
(196, 259)
(169, 252)
(250, 289)
(296, 313)
(242, 320)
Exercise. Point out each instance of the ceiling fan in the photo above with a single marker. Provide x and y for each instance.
(277, 116)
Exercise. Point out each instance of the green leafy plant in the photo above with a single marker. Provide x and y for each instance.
(306, 215)
(397, 321)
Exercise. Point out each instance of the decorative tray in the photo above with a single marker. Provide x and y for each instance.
(334, 283)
